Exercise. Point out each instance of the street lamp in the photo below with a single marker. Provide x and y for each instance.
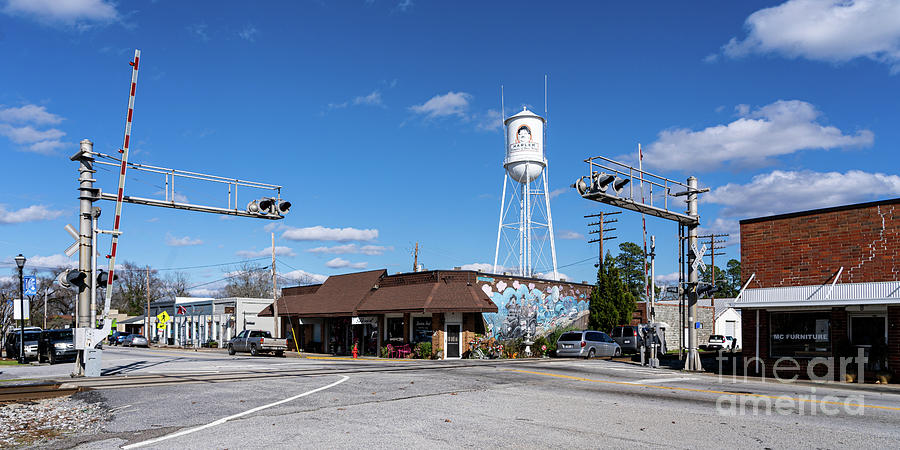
(20, 261)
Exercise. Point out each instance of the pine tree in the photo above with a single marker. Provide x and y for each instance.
(612, 303)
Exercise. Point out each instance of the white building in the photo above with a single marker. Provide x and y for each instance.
(728, 320)
(196, 321)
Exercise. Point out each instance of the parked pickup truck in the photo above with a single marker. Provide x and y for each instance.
(256, 342)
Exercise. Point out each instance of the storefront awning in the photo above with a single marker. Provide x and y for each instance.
(874, 293)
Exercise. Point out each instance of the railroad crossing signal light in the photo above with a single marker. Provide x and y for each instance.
(600, 181)
(707, 289)
(72, 277)
(103, 278)
(269, 205)
(619, 184)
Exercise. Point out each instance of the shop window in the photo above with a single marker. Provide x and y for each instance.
(422, 329)
(395, 329)
(800, 335)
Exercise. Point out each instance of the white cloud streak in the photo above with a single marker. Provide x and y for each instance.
(29, 114)
(566, 234)
(787, 191)
(339, 263)
(32, 213)
(320, 233)
(69, 12)
(345, 249)
(50, 261)
(449, 104)
(184, 241)
(824, 30)
(304, 277)
(248, 33)
(780, 128)
(279, 251)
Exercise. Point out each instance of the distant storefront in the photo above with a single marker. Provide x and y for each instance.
(822, 284)
(197, 321)
(446, 308)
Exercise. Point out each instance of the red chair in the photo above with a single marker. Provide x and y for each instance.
(403, 351)
(390, 350)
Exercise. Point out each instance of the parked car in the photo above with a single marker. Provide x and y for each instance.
(586, 344)
(121, 338)
(629, 338)
(116, 337)
(256, 342)
(56, 345)
(716, 343)
(731, 343)
(32, 336)
(135, 340)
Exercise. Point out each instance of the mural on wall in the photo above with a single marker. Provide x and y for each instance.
(523, 308)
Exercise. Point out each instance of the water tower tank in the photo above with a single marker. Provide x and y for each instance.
(525, 146)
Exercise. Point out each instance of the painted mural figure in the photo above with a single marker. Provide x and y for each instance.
(523, 309)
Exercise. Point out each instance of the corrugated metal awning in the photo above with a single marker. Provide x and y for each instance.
(884, 292)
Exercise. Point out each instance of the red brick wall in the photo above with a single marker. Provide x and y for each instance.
(809, 249)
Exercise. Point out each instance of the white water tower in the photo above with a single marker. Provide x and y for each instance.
(526, 226)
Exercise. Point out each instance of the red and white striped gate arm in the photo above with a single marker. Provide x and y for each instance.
(124, 151)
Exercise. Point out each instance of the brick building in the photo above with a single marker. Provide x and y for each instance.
(822, 284)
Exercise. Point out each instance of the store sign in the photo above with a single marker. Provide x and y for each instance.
(422, 330)
(229, 310)
(365, 320)
(800, 335)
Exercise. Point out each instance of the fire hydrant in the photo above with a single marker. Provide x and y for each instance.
(355, 350)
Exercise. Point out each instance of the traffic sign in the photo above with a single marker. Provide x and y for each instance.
(698, 257)
(160, 326)
(163, 317)
(74, 247)
(30, 285)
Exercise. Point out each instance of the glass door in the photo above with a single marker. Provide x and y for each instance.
(453, 332)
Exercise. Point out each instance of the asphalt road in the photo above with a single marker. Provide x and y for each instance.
(330, 403)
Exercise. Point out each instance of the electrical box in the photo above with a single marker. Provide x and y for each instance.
(92, 362)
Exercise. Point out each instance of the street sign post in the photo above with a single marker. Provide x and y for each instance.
(17, 310)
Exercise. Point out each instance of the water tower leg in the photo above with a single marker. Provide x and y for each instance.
(500, 225)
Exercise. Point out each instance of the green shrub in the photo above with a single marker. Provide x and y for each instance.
(213, 344)
(384, 352)
(423, 350)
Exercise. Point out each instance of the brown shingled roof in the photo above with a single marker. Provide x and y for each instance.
(374, 292)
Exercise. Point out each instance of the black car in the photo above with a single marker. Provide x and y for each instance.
(56, 345)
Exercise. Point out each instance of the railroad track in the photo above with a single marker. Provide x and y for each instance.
(24, 393)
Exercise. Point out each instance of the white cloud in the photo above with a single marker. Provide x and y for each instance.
(449, 104)
(549, 276)
(566, 234)
(490, 120)
(404, 5)
(29, 114)
(28, 134)
(780, 128)
(206, 291)
(184, 241)
(824, 30)
(32, 213)
(667, 278)
(248, 33)
(304, 277)
(69, 12)
(557, 192)
(481, 267)
(338, 263)
(786, 191)
(373, 98)
(320, 233)
(51, 261)
(351, 249)
(279, 251)
(199, 31)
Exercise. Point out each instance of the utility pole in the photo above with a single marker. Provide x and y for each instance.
(601, 229)
(275, 292)
(147, 311)
(46, 291)
(713, 247)
(416, 258)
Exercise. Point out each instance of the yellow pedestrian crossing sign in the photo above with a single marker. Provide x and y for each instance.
(162, 318)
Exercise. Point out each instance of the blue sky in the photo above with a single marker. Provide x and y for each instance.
(380, 119)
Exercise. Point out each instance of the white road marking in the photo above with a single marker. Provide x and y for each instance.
(234, 416)
(661, 380)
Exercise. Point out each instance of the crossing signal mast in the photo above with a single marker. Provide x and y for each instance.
(270, 206)
(606, 182)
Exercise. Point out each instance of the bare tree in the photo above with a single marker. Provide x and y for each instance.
(130, 289)
(176, 284)
(249, 281)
